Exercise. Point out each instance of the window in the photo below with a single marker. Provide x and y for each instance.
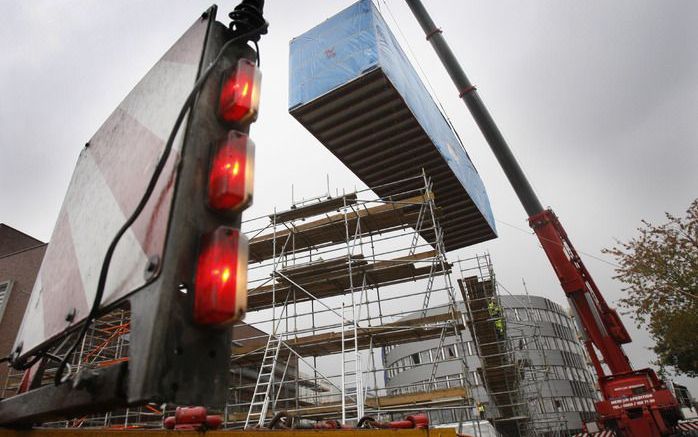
(548, 406)
(558, 405)
(416, 359)
(524, 315)
(5, 288)
(447, 416)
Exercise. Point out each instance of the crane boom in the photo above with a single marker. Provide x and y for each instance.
(601, 323)
(653, 410)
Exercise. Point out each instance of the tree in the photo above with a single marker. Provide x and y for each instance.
(660, 270)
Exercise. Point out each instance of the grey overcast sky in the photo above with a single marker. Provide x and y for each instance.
(599, 101)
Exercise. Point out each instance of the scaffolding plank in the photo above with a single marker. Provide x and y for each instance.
(333, 278)
(332, 229)
(415, 400)
(500, 374)
(321, 207)
(327, 343)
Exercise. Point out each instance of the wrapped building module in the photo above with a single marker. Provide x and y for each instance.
(354, 89)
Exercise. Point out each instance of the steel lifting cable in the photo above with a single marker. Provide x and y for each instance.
(422, 73)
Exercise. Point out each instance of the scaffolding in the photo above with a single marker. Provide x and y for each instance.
(332, 282)
(501, 371)
(514, 379)
(105, 344)
(526, 340)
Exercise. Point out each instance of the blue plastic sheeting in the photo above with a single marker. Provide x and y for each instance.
(356, 41)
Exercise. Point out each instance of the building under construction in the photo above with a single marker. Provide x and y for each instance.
(331, 285)
(352, 312)
(527, 367)
(332, 281)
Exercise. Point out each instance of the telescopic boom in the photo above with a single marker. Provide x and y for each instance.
(604, 331)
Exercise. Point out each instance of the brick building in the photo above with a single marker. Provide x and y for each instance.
(20, 259)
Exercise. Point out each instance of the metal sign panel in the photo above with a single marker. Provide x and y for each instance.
(109, 179)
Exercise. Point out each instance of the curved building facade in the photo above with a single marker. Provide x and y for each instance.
(557, 387)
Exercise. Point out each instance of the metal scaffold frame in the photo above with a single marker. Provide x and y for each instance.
(519, 399)
(491, 333)
(525, 338)
(333, 281)
(489, 330)
(336, 279)
(105, 344)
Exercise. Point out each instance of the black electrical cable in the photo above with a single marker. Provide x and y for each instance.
(35, 358)
(259, 58)
(248, 35)
(248, 15)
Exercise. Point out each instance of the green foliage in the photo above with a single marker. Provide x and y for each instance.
(660, 270)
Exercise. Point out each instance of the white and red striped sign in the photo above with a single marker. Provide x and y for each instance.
(688, 426)
(596, 434)
(685, 426)
(108, 182)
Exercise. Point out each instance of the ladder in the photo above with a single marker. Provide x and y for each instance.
(352, 374)
(439, 350)
(259, 404)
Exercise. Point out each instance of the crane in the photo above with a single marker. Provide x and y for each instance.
(635, 402)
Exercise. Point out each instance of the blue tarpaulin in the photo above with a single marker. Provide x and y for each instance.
(355, 42)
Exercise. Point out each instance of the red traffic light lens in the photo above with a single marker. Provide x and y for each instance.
(220, 285)
(239, 99)
(231, 177)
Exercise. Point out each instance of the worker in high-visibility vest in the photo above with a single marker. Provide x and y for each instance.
(481, 409)
(494, 309)
(500, 327)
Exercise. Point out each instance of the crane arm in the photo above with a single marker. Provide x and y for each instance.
(635, 402)
(602, 325)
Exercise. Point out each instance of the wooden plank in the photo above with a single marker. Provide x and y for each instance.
(416, 399)
(440, 395)
(321, 207)
(332, 228)
(328, 343)
(333, 278)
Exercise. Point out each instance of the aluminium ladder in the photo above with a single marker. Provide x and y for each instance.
(259, 404)
(352, 373)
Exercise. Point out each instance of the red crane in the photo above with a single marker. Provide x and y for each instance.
(635, 402)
